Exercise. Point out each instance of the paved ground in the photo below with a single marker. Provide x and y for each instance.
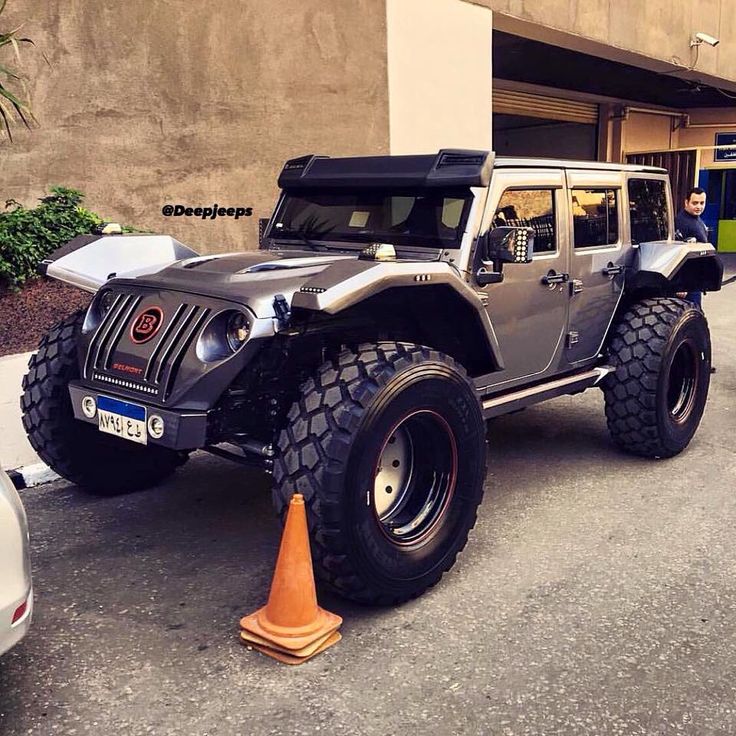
(597, 595)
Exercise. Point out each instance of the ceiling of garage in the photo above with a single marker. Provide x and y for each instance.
(523, 60)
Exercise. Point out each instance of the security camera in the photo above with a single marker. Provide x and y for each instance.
(704, 38)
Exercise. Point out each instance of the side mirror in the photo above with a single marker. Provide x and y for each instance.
(509, 245)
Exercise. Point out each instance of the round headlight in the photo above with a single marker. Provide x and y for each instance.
(223, 336)
(237, 330)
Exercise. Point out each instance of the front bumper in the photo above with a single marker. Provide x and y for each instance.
(183, 430)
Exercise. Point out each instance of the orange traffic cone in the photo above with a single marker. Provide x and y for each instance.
(291, 627)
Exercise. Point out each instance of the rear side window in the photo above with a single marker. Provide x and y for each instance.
(532, 208)
(648, 210)
(595, 217)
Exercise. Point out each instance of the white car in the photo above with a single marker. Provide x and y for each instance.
(16, 590)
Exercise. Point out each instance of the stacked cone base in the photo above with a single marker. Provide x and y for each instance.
(294, 645)
(290, 638)
(288, 656)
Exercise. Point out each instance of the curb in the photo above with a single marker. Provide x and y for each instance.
(16, 452)
(32, 475)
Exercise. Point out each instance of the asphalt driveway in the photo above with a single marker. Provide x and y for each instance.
(597, 595)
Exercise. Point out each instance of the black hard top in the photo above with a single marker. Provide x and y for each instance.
(448, 168)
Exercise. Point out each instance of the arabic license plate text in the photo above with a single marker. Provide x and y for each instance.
(122, 419)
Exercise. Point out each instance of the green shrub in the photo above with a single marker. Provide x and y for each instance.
(27, 236)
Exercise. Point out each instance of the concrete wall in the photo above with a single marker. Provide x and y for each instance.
(147, 103)
(645, 132)
(645, 33)
(439, 75)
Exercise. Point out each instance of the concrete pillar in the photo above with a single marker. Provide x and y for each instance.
(439, 75)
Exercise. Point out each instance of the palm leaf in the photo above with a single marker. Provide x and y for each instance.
(9, 35)
(21, 108)
(12, 107)
(5, 92)
(8, 72)
(5, 115)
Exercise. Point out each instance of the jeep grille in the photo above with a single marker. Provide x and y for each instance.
(167, 349)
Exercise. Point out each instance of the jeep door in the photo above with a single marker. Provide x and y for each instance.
(528, 309)
(598, 249)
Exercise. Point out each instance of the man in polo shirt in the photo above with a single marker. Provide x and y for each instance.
(689, 224)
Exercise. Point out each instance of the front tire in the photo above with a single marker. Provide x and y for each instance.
(77, 451)
(387, 445)
(656, 397)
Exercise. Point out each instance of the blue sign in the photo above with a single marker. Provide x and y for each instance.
(727, 154)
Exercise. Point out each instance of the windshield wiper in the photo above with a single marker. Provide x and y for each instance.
(303, 237)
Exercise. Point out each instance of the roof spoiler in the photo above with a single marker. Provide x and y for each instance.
(450, 167)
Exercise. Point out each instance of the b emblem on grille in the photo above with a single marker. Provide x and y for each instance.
(146, 325)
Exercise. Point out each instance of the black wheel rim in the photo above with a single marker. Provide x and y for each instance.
(683, 381)
(415, 477)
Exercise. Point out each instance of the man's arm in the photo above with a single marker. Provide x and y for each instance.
(682, 226)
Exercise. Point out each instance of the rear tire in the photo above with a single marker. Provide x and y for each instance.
(387, 445)
(656, 397)
(98, 463)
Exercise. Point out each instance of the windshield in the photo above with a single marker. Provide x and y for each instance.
(425, 218)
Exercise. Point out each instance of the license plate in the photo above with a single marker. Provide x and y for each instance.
(122, 419)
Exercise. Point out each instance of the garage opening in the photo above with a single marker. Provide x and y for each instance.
(528, 124)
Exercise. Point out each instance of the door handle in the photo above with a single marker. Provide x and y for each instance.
(555, 278)
(611, 270)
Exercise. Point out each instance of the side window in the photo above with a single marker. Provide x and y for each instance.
(534, 208)
(648, 208)
(594, 217)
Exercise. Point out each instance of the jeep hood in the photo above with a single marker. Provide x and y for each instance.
(252, 278)
(159, 261)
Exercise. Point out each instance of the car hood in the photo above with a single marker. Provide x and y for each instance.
(159, 262)
(252, 279)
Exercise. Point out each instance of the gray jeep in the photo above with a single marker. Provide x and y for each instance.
(395, 305)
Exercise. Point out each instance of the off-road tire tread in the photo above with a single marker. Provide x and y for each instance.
(636, 351)
(49, 423)
(314, 449)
